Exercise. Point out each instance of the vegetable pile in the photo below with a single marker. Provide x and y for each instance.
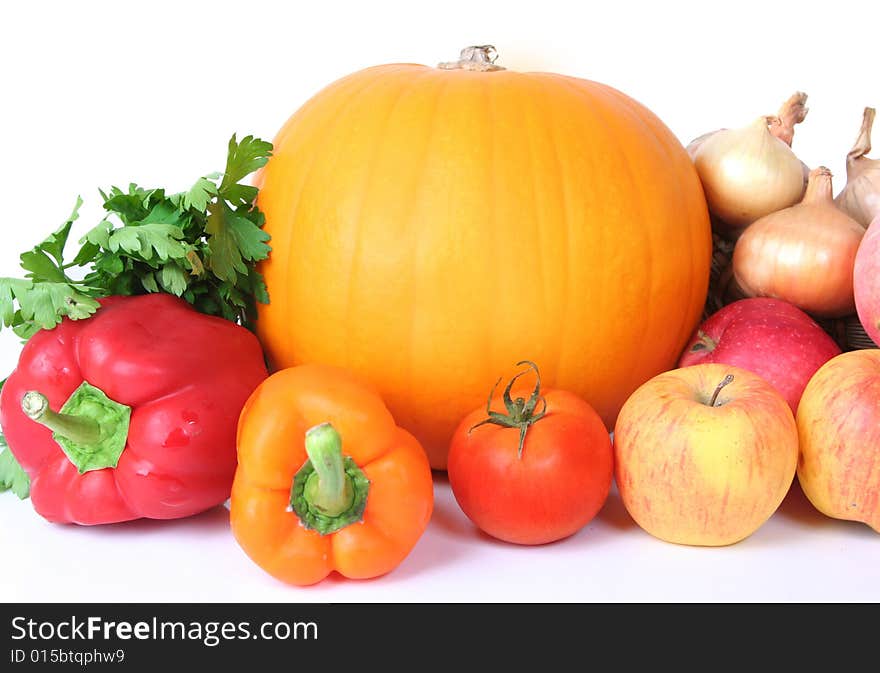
(779, 231)
(393, 276)
(428, 262)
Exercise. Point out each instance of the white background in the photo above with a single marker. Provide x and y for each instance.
(101, 93)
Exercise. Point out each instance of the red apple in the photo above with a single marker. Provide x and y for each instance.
(770, 337)
(839, 427)
(866, 281)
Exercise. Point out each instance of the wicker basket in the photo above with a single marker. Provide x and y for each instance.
(836, 328)
(856, 337)
(723, 290)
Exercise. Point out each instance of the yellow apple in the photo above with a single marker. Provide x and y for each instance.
(839, 428)
(704, 454)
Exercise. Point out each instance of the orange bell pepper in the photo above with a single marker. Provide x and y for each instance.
(326, 480)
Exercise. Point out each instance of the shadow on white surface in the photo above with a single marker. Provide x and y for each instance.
(798, 509)
(614, 514)
(798, 555)
(208, 522)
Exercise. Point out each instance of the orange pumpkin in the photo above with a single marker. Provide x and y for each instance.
(432, 225)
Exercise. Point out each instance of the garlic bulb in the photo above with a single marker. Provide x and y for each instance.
(750, 172)
(861, 196)
(803, 254)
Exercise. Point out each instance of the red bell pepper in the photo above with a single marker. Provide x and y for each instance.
(132, 412)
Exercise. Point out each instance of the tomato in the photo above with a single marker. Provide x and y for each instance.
(535, 473)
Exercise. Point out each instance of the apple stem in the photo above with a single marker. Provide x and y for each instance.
(726, 381)
(703, 343)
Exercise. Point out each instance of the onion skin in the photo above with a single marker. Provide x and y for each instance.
(860, 201)
(860, 198)
(804, 254)
(793, 111)
(695, 144)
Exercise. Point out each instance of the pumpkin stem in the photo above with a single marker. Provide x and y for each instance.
(480, 58)
(521, 412)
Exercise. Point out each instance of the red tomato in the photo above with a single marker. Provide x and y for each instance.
(535, 473)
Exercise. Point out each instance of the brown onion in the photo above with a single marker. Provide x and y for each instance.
(750, 172)
(793, 111)
(860, 199)
(803, 254)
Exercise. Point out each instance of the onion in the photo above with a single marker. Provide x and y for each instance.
(750, 172)
(860, 198)
(803, 254)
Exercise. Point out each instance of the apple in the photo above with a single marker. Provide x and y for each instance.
(704, 454)
(769, 337)
(866, 281)
(839, 427)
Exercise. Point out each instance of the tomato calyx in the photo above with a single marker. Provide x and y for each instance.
(521, 412)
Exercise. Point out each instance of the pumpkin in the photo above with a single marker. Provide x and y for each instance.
(432, 226)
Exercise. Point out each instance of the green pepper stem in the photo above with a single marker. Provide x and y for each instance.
(329, 489)
(78, 429)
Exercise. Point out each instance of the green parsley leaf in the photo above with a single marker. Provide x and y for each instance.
(163, 212)
(148, 281)
(86, 254)
(45, 302)
(257, 286)
(12, 476)
(234, 240)
(202, 245)
(199, 195)
(10, 290)
(55, 242)
(173, 279)
(145, 239)
(99, 235)
(133, 205)
(41, 267)
(239, 195)
(244, 158)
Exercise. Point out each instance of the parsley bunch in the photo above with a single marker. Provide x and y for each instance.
(202, 245)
